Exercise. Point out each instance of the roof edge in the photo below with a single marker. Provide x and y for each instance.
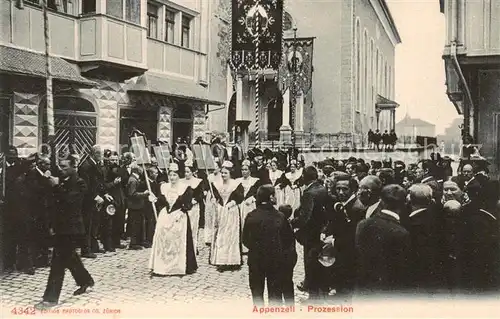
(392, 23)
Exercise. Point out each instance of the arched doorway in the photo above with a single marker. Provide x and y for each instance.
(274, 118)
(75, 123)
(182, 123)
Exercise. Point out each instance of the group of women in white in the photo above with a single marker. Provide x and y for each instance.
(226, 202)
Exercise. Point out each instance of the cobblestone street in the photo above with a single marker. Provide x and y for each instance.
(123, 284)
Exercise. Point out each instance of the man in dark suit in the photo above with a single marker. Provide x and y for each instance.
(267, 234)
(69, 230)
(480, 240)
(137, 196)
(369, 194)
(310, 218)
(347, 213)
(282, 158)
(260, 171)
(93, 172)
(423, 227)
(290, 260)
(111, 235)
(39, 202)
(382, 245)
(254, 152)
(125, 172)
(14, 169)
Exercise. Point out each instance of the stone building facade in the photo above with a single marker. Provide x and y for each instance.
(150, 65)
(353, 59)
(472, 65)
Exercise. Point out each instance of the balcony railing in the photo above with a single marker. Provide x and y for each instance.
(177, 60)
(93, 37)
(24, 28)
(106, 38)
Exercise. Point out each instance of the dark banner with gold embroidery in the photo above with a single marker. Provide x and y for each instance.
(256, 23)
(296, 67)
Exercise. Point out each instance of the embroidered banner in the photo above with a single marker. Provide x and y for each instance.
(296, 65)
(256, 22)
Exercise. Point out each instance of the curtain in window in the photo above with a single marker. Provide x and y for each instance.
(114, 8)
(133, 11)
(170, 26)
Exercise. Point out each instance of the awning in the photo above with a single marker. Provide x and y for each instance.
(385, 104)
(163, 85)
(27, 63)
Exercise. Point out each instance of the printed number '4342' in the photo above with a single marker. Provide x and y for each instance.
(19, 311)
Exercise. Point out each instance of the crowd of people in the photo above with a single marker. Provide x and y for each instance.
(364, 227)
(383, 227)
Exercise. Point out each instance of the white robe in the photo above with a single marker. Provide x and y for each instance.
(210, 209)
(280, 193)
(169, 250)
(226, 239)
(292, 194)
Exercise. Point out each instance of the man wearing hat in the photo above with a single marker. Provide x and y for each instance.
(255, 151)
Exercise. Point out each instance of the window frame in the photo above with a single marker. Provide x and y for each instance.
(190, 19)
(168, 22)
(156, 16)
(124, 12)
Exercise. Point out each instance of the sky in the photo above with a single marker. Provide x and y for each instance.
(420, 76)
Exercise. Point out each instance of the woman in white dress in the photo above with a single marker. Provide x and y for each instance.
(173, 250)
(209, 206)
(250, 185)
(294, 181)
(194, 213)
(225, 252)
(278, 180)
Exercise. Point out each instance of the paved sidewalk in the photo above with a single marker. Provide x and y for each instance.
(122, 279)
